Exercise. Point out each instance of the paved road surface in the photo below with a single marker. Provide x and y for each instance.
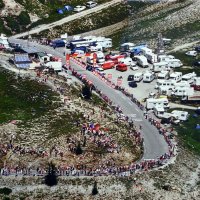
(154, 143)
(67, 19)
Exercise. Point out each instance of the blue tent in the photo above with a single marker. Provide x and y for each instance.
(60, 11)
(68, 8)
(198, 126)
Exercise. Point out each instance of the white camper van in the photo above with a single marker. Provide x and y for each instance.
(160, 66)
(163, 75)
(174, 63)
(146, 50)
(190, 77)
(164, 90)
(127, 61)
(138, 76)
(183, 91)
(158, 111)
(142, 61)
(176, 76)
(162, 58)
(180, 115)
(151, 57)
(151, 103)
(148, 76)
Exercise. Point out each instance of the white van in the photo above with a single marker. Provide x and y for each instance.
(151, 103)
(181, 115)
(148, 77)
(142, 61)
(174, 63)
(158, 111)
(162, 58)
(100, 57)
(163, 75)
(151, 57)
(138, 76)
(190, 77)
(160, 66)
(146, 50)
(176, 76)
(127, 61)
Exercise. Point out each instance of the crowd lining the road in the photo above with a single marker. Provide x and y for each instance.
(99, 138)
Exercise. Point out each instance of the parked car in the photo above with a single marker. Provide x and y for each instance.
(79, 8)
(196, 64)
(191, 53)
(130, 78)
(134, 67)
(132, 84)
(197, 49)
(91, 4)
(122, 67)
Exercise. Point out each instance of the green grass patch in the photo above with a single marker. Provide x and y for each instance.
(23, 99)
(64, 124)
(187, 132)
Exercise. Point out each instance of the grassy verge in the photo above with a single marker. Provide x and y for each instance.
(188, 62)
(23, 99)
(188, 134)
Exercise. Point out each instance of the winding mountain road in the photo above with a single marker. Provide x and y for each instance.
(154, 143)
(67, 19)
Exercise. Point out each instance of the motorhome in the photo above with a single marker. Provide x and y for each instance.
(166, 83)
(138, 76)
(151, 103)
(176, 76)
(126, 47)
(142, 61)
(145, 50)
(174, 63)
(128, 61)
(164, 90)
(183, 91)
(162, 58)
(4, 41)
(148, 76)
(163, 75)
(160, 66)
(151, 57)
(159, 111)
(191, 99)
(190, 77)
(180, 115)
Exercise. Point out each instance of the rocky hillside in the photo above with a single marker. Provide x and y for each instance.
(19, 15)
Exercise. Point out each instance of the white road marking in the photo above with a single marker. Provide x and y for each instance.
(138, 120)
(137, 110)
